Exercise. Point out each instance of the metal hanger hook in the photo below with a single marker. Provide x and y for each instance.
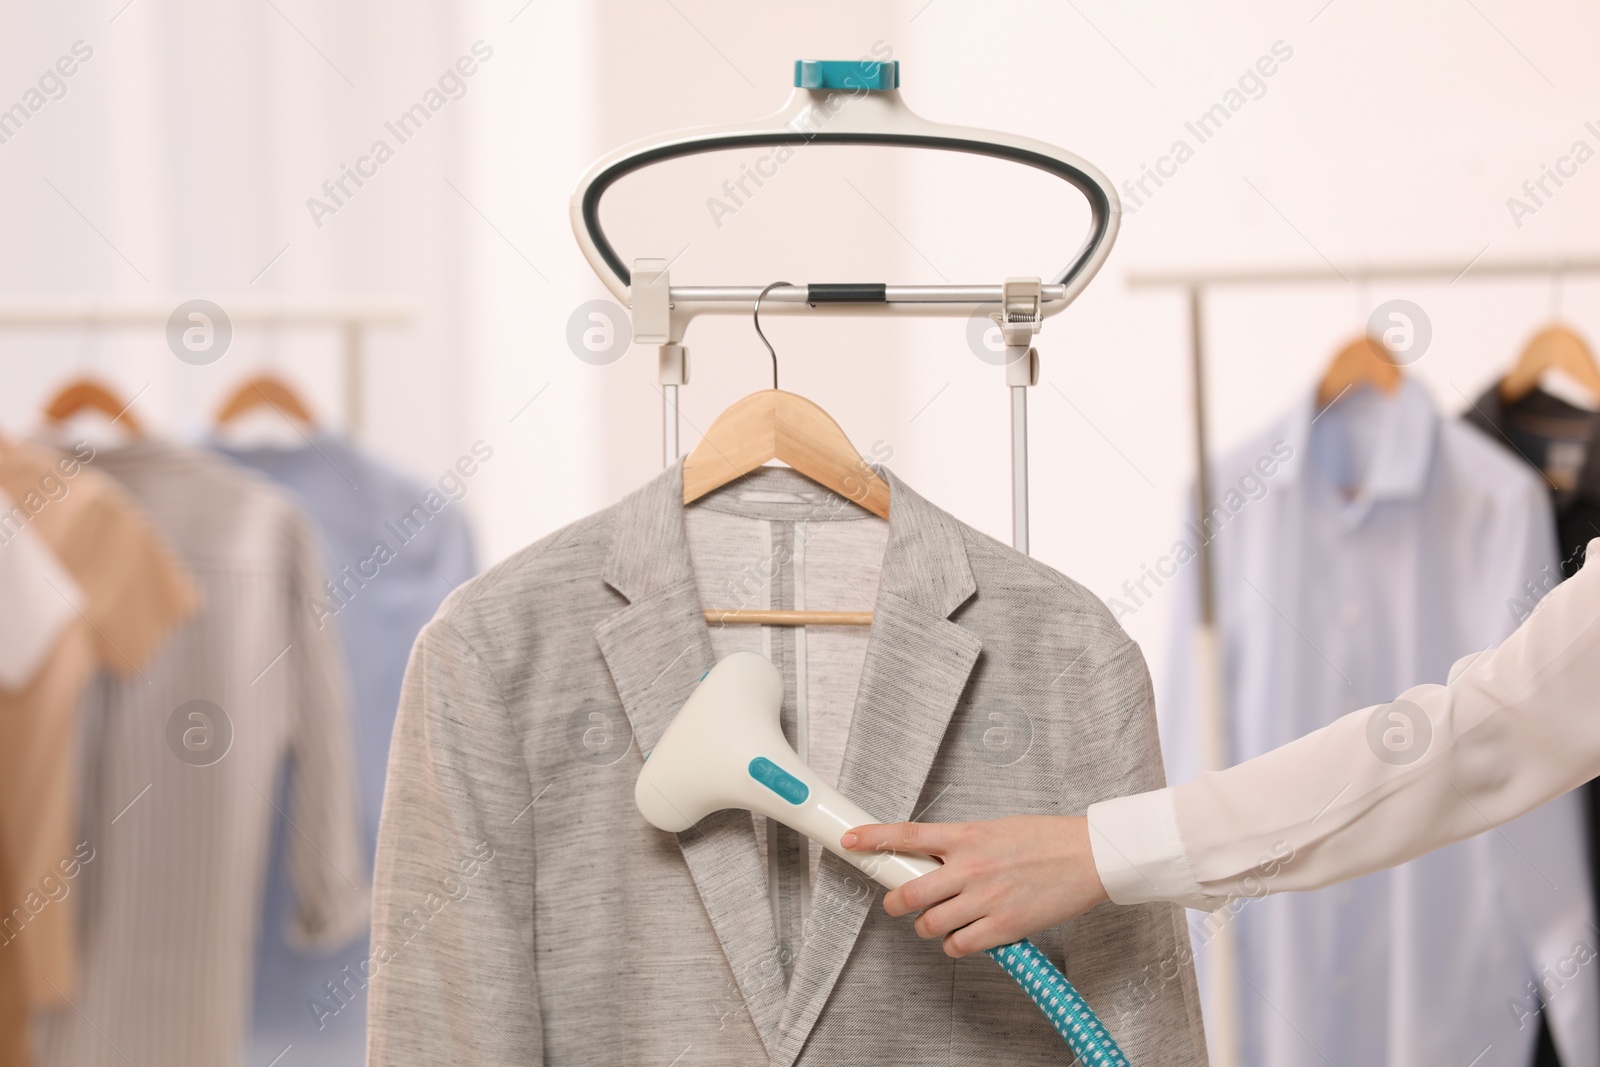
(756, 315)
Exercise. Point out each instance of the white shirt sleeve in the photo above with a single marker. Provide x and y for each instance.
(1513, 728)
(38, 598)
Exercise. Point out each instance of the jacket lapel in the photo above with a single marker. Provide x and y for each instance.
(917, 667)
(657, 649)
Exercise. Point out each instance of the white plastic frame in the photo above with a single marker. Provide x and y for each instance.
(847, 117)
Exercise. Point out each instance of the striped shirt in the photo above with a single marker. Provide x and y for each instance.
(182, 760)
(382, 597)
(131, 594)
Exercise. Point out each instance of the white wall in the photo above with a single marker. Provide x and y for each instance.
(182, 157)
(193, 138)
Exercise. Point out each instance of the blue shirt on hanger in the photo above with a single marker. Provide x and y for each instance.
(395, 548)
(1361, 551)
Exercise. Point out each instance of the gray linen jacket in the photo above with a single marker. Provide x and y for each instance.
(526, 914)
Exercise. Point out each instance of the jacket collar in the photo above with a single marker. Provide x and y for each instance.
(917, 665)
(1404, 429)
(925, 561)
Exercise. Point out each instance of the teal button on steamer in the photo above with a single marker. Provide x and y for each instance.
(779, 780)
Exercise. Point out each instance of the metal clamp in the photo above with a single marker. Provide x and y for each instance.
(650, 307)
(1020, 317)
(650, 302)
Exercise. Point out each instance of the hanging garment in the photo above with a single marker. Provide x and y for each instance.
(130, 595)
(524, 911)
(391, 559)
(181, 762)
(1557, 439)
(1359, 552)
(40, 598)
(14, 1050)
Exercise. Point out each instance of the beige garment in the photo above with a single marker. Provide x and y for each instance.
(184, 761)
(13, 992)
(1514, 728)
(41, 600)
(134, 593)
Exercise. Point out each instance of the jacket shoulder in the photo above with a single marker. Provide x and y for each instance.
(1032, 591)
(531, 581)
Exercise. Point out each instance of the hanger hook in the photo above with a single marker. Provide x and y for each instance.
(756, 315)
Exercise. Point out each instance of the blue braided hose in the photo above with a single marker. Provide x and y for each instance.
(1047, 987)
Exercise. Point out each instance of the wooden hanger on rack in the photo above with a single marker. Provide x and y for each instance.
(773, 424)
(1556, 347)
(265, 390)
(89, 394)
(1363, 361)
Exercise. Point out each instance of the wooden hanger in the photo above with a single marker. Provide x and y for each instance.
(1363, 361)
(773, 424)
(264, 389)
(88, 394)
(1553, 348)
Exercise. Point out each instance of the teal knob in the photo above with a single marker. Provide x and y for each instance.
(855, 74)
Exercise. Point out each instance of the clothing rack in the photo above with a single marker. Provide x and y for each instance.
(848, 103)
(352, 320)
(1195, 284)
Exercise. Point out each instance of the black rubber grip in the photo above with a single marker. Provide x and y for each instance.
(847, 293)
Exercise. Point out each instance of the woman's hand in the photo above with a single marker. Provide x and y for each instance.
(1002, 879)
